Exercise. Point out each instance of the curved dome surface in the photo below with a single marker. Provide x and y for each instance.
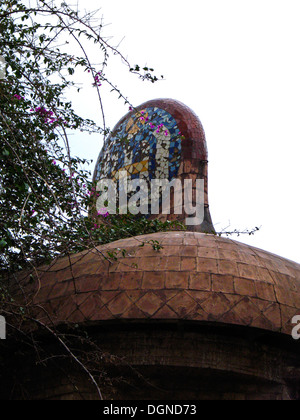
(195, 277)
(160, 139)
(173, 115)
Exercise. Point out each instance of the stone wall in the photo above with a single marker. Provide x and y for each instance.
(167, 361)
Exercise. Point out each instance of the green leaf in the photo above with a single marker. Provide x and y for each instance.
(3, 243)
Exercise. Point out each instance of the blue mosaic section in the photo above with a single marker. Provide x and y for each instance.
(147, 145)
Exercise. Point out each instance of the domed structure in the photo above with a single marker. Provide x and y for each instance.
(203, 317)
(160, 139)
(194, 277)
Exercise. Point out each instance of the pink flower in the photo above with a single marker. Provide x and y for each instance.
(47, 115)
(97, 79)
(103, 212)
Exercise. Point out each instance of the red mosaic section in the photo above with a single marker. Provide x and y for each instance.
(194, 277)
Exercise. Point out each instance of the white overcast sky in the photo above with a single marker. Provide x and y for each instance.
(236, 64)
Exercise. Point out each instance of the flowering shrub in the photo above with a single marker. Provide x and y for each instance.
(45, 192)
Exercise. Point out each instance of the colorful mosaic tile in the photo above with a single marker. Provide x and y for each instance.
(146, 145)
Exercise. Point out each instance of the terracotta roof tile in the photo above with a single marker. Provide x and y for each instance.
(208, 279)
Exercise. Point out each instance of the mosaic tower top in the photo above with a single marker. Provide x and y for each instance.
(160, 139)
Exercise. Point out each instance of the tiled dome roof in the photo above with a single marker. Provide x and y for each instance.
(194, 145)
(179, 152)
(194, 277)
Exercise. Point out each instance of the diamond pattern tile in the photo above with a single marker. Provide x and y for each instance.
(193, 277)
